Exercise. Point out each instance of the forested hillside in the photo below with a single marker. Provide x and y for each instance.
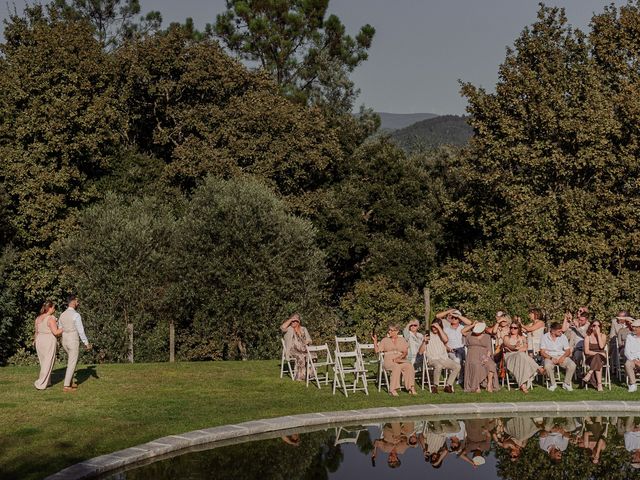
(443, 130)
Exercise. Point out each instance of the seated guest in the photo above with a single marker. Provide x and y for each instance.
(500, 328)
(620, 328)
(555, 349)
(575, 331)
(415, 340)
(596, 357)
(296, 339)
(437, 357)
(396, 350)
(535, 329)
(480, 369)
(632, 354)
(516, 358)
(451, 324)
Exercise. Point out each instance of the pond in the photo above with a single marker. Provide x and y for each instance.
(520, 447)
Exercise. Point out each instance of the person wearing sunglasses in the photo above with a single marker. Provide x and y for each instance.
(595, 355)
(517, 360)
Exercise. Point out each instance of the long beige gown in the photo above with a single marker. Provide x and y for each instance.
(46, 346)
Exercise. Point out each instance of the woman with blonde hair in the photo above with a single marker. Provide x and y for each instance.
(396, 350)
(296, 340)
(46, 330)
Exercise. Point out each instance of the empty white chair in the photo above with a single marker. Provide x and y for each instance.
(318, 358)
(285, 361)
(345, 435)
(347, 364)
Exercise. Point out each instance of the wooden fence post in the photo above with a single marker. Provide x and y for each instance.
(427, 307)
(172, 342)
(130, 350)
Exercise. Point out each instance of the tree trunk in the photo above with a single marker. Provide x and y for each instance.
(130, 335)
(427, 307)
(172, 342)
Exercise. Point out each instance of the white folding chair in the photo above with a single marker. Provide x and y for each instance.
(345, 435)
(318, 357)
(383, 376)
(346, 344)
(285, 361)
(369, 360)
(349, 363)
(428, 373)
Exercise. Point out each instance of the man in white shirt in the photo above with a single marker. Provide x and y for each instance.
(555, 349)
(435, 347)
(632, 354)
(73, 332)
(452, 327)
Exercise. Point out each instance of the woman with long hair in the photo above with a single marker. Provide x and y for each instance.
(46, 330)
(518, 362)
(595, 354)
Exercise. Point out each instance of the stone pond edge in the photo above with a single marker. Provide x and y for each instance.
(172, 443)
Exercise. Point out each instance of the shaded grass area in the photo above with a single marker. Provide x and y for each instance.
(118, 406)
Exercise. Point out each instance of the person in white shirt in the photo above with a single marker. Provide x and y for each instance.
(555, 349)
(435, 347)
(415, 340)
(452, 321)
(73, 332)
(632, 354)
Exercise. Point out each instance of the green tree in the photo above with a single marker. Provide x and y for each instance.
(550, 175)
(113, 20)
(203, 113)
(308, 55)
(119, 261)
(244, 263)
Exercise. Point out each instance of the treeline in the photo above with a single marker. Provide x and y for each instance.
(164, 182)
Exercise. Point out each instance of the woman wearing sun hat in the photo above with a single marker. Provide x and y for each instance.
(480, 369)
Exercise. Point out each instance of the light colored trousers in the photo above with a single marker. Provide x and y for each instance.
(440, 364)
(567, 364)
(71, 345)
(405, 370)
(630, 368)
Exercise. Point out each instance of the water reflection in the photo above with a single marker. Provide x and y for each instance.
(519, 448)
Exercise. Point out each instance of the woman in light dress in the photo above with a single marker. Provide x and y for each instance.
(415, 339)
(516, 358)
(46, 330)
(296, 339)
(480, 368)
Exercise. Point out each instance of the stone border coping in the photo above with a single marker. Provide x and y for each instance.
(172, 444)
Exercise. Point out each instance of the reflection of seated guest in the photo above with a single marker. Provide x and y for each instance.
(394, 442)
(593, 438)
(632, 441)
(438, 358)
(480, 369)
(554, 440)
(293, 439)
(296, 339)
(478, 440)
(517, 432)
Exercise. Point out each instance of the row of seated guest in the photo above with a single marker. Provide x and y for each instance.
(454, 338)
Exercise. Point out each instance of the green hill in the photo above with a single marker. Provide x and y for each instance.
(430, 133)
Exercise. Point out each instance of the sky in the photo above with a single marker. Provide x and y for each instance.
(421, 49)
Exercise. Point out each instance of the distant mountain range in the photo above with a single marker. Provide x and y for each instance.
(396, 121)
(432, 132)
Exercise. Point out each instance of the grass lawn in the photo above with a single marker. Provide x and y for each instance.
(118, 406)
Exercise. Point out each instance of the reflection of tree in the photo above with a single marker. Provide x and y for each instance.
(365, 445)
(535, 464)
(270, 459)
